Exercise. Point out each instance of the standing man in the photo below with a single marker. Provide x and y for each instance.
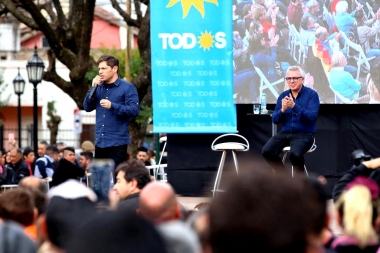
(116, 102)
(45, 165)
(297, 111)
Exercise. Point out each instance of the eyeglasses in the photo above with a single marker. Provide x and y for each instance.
(295, 78)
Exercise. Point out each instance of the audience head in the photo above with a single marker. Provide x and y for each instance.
(88, 146)
(18, 205)
(278, 224)
(259, 13)
(158, 203)
(15, 155)
(3, 154)
(338, 59)
(33, 182)
(357, 214)
(53, 152)
(142, 154)
(131, 177)
(118, 233)
(42, 148)
(321, 33)
(69, 154)
(312, 6)
(359, 15)
(85, 159)
(28, 155)
(341, 7)
(60, 145)
(307, 23)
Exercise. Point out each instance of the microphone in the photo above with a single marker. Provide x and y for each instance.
(93, 90)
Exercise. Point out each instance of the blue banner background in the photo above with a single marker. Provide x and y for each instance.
(192, 73)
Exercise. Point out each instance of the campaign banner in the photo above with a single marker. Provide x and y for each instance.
(192, 66)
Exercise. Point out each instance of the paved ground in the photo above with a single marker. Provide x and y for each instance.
(191, 202)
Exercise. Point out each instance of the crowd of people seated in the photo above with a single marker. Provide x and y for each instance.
(271, 212)
(273, 35)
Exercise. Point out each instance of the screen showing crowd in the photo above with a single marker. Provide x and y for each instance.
(336, 42)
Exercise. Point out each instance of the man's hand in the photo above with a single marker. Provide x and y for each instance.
(372, 164)
(288, 100)
(105, 103)
(284, 104)
(97, 81)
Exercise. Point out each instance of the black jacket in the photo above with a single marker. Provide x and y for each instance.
(66, 170)
(16, 172)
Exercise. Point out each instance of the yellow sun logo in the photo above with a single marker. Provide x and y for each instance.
(206, 40)
(186, 5)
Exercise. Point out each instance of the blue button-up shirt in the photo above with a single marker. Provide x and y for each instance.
(112, 124)
(303, 116)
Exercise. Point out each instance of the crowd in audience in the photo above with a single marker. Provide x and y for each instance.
(56, 209)
(268, 38)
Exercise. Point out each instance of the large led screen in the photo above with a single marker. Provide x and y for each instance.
(336, 43)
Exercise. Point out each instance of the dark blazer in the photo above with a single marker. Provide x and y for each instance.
(16, 172)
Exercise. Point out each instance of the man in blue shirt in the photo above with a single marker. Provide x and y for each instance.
(116, 102)
(297, 111)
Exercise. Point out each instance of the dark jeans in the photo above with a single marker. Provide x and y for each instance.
(299, 144)
(117, 153)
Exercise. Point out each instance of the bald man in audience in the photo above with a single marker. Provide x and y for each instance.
(34, 183)
(158, 203)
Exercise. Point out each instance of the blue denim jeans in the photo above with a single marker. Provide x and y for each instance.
(299, 144)
(102, 180)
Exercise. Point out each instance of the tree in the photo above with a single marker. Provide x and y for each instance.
(3, 86)
(69, 37)
(53, 122)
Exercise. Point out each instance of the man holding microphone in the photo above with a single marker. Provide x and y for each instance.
(116, 102)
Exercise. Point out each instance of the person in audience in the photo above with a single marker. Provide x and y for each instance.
(66, 168)
(131, 178)
(296, 9)
(29, 158)
(85, 160)
(297, 111)
(373, 81)
(152, 156)
(278, 225)
(344, 20)
(142, 156)
(17, 169)
(116, 232)
(14, 240)
(158, 203)
(357, 215)
(307, 31)
(88, 146)
(45, 165)
(367, 33)
(18, 205)
(33, 182)
(2, 162)
(259, 15)
(42, 148)
(70, 206)
(60, 146)
(323, 48)
(247, 16)
(313, 11)
(343, 82)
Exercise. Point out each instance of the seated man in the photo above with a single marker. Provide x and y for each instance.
(297, 111)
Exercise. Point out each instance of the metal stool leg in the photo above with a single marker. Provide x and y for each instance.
(235, 162)
(284, 157)
(219, 173)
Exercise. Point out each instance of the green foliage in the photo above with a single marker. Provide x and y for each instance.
(51, 110)
(3, 86)
(136, 63)
(146, 114)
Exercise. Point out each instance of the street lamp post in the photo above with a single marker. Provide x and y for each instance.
(19, 86)
(35, 68)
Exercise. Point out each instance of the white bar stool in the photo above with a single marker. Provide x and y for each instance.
(217, 145)
(287, 151)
